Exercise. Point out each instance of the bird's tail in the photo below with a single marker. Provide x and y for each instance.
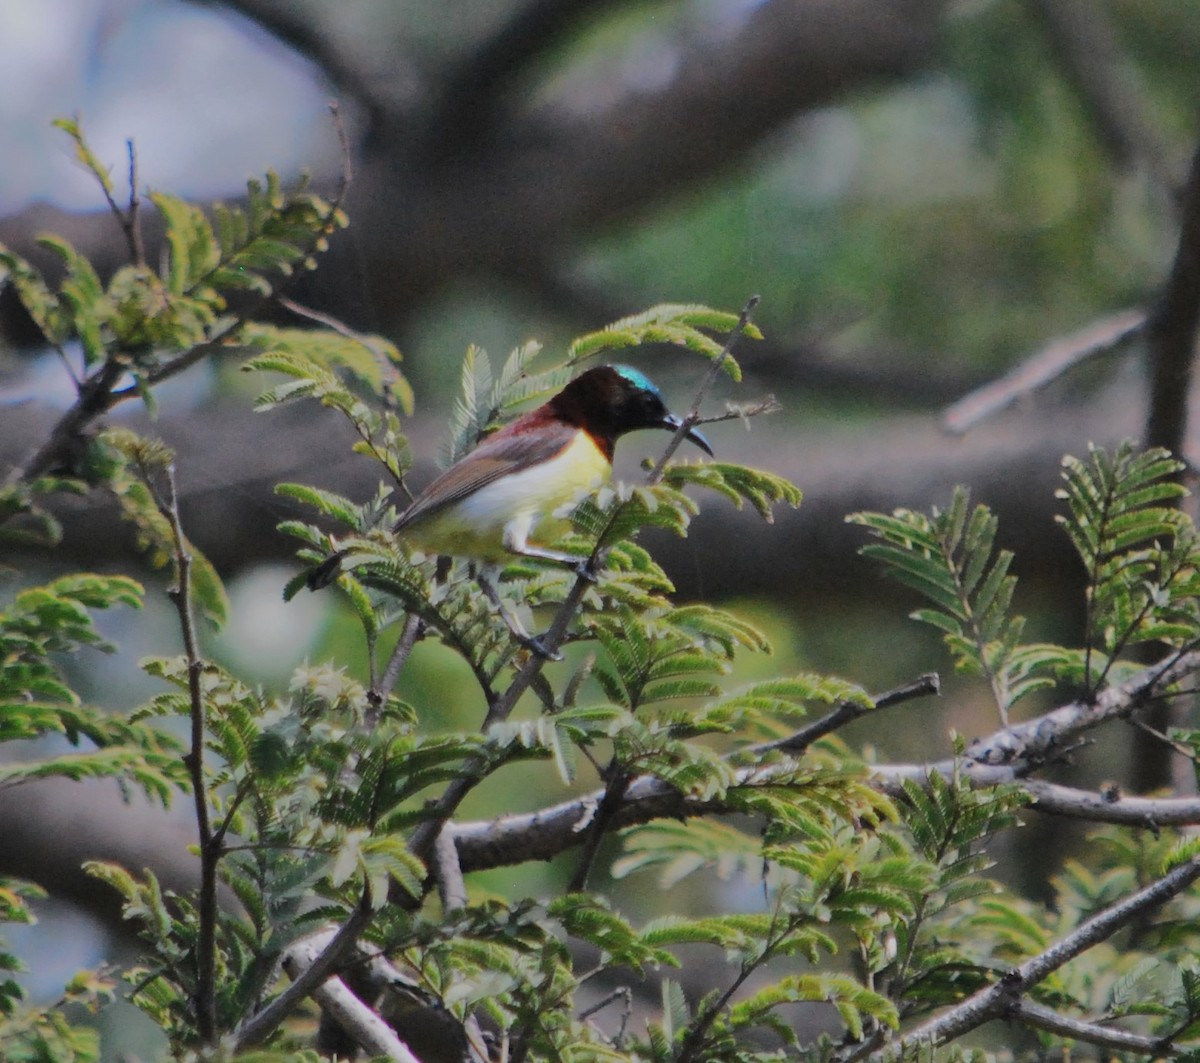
(327, 571)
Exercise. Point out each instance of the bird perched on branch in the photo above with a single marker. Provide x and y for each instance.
(499, 500)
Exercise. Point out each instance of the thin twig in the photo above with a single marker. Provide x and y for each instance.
(206, 906)
(743, 411)
(692, 418)
(622, 993)
(1046, 365)
(414, 627)
(1182, 749)
(118, 213)
(922, 686)
(134, 231)
(339, 127)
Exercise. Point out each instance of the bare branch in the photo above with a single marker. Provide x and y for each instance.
(1043, 1018)
(320, 955)
(335, 998)
(132, 221)
(1003, 757)
(1172, 327)
(1111, 806)
(452, 888)
(1043, 367)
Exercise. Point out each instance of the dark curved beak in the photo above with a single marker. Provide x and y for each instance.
(672, 422)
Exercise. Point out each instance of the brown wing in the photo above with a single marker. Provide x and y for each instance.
(504, 453)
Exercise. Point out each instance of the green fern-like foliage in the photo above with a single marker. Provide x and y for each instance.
(676, 324)
(149, 324)
(950, 557)
(935, 959)
(1139, 552)
(485, 397)
(38, 625)
(1140, 555)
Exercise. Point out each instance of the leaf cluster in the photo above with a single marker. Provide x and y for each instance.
(1140, 556)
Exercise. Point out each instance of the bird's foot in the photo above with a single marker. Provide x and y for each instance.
(585, 570)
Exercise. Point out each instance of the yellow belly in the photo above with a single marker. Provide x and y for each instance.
(515, 508)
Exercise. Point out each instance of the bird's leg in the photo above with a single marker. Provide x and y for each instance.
(581, 566)
(483, 576)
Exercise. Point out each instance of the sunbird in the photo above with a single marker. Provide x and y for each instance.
(500, 499)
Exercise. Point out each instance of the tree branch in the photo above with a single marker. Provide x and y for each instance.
(305, 31)
(210, 845)
(1002, 757)
(1112, 96)
(335, 998)
(1043, 1018)
(1043, 367)
(1172, 328)
(314, 960)
(797, 743)
(1111, 806)
(996, 1000)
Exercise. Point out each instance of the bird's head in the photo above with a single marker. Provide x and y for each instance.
(611, 400)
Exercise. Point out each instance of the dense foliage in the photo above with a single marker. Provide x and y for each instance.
(328, 839)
